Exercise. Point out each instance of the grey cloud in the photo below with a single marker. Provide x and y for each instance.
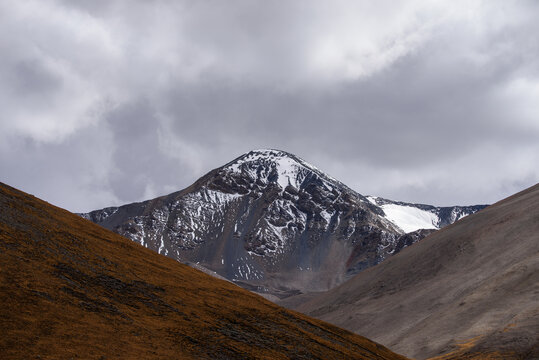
(387, 119)
(72, 174)
(141, 168)
(139, 99)
(31, 78)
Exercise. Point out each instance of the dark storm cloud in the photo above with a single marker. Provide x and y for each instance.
(108, 102)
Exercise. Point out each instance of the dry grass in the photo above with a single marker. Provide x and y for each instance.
(71, 289)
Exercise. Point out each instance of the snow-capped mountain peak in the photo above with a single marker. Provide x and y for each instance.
(270, 219)
(277, 166)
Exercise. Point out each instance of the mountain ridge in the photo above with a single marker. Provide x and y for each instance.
(270, 221)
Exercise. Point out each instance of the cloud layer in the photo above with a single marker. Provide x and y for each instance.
(108, 102)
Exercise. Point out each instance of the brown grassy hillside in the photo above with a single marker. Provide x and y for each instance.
(71, 289)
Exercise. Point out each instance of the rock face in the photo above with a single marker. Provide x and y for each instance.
(273, 223)
(411, 238)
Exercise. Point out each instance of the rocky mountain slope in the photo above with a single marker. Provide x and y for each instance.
(71, 289)
(275, 224)
(470, 290)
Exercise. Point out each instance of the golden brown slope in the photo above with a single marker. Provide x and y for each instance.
(71, 289)
(475, 282)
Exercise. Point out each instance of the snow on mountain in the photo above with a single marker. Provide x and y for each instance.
(273, 223)
(287, 169)
(409, 218)
(413, 217)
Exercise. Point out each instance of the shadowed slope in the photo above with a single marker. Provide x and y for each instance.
(71, 289)
(473, 283)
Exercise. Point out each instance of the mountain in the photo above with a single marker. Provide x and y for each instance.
(275, 224)
(466, 291)
(71, 289)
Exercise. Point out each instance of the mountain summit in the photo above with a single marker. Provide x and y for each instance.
(275, 224)
(268, 165)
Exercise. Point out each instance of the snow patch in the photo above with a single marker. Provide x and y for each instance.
(410, 218)
(162, 246)
(287, 170)
(326, 215)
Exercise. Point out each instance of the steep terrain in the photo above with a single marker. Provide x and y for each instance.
(466, 291)
(275, 224)
(71, 289)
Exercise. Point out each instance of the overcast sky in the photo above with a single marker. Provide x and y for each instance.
(108, 102)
